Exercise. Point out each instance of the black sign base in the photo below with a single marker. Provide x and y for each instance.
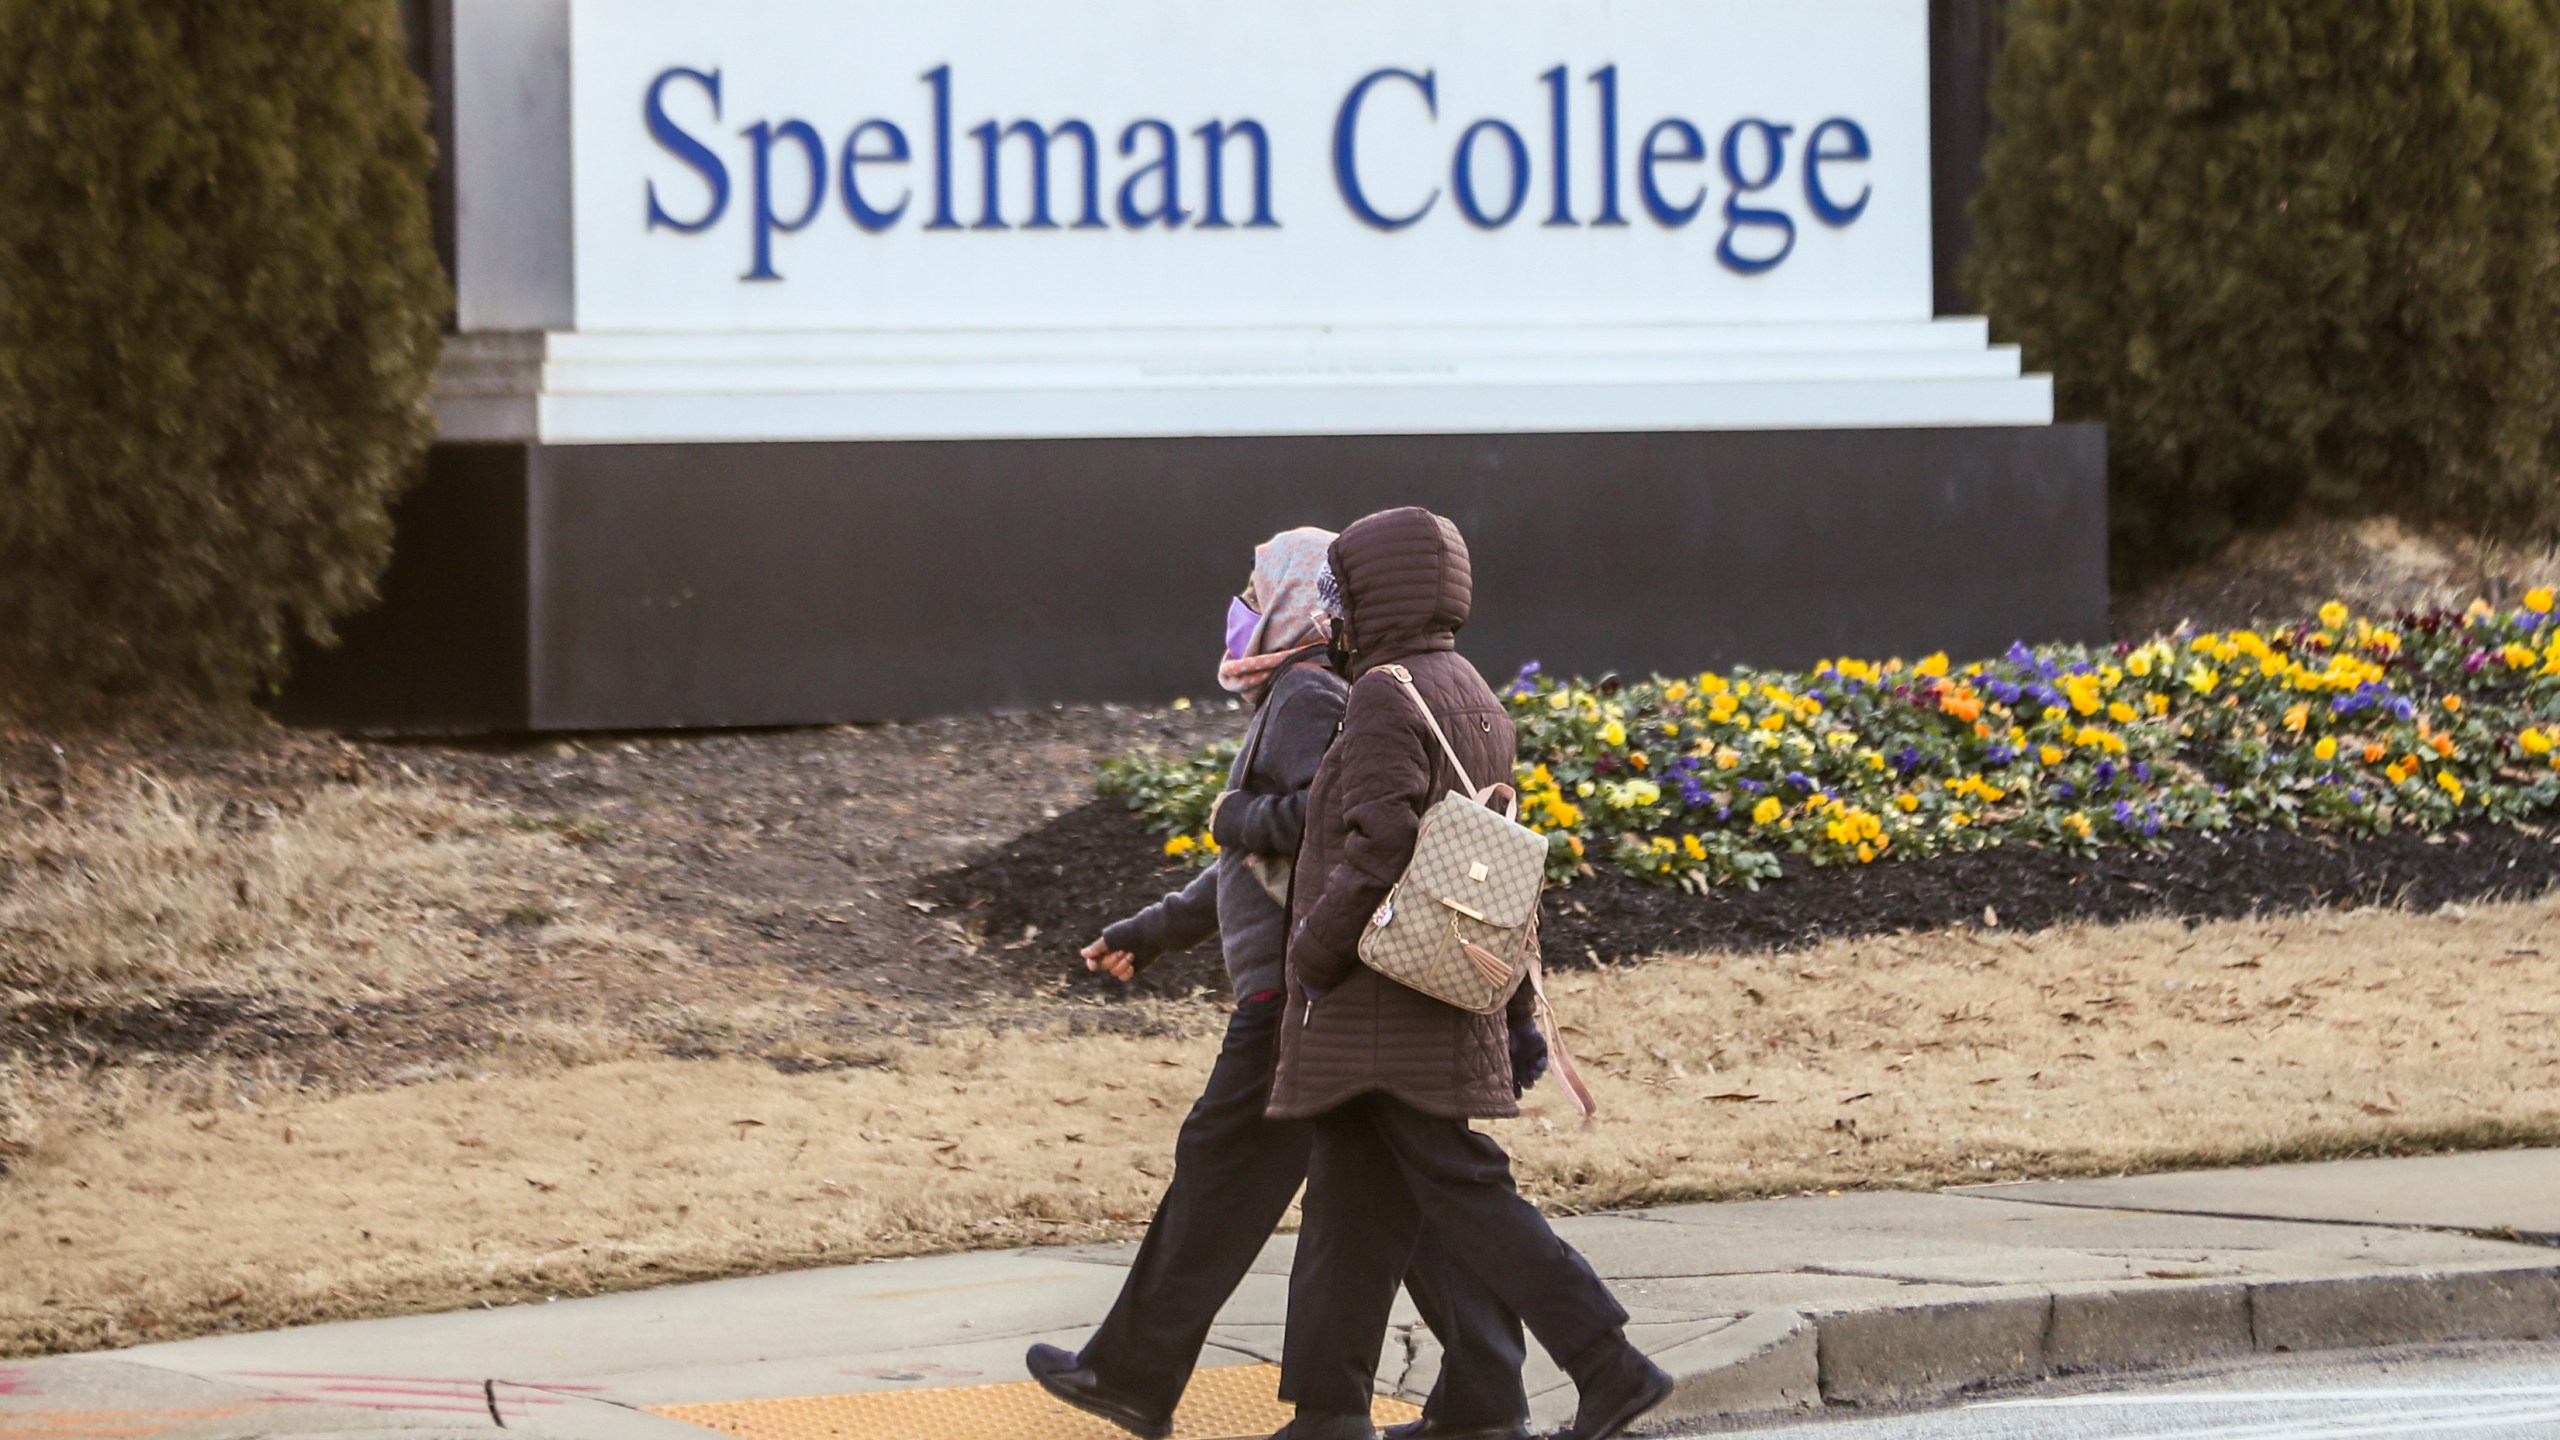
(541, 587)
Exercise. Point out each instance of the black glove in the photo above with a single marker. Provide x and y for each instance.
(1528, 1056)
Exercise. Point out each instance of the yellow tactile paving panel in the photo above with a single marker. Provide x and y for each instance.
(1235, 1402)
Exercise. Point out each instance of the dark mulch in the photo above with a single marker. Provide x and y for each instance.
(1062, 883)
(1094, 864)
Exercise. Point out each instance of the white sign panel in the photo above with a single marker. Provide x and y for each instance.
(773, 165)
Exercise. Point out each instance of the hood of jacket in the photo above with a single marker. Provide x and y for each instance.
(1405, 582)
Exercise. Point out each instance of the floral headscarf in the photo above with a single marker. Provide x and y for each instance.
(1284, 580)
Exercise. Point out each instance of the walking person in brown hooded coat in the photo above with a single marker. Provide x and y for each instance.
(1388, 1076)
(1234, 1171)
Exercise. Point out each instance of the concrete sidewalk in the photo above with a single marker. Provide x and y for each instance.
(1771, 1307)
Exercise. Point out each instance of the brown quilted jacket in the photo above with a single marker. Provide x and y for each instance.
(1347, 1031)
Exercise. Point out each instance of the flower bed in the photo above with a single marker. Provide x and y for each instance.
(2338, 722)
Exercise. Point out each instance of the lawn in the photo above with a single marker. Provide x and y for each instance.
(1893, 1061)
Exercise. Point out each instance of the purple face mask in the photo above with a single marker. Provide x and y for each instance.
(1242, 621)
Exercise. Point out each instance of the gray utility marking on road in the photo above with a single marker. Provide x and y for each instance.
(2370, 1422)
(2262, 1397)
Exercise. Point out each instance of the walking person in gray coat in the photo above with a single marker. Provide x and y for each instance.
(1235, 1171)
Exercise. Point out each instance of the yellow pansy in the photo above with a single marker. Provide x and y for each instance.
(1767, 810)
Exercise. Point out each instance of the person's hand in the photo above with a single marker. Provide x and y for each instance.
(1212, 824)
(1118, 964)
(1528, 1056)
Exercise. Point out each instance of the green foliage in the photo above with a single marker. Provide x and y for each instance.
(2298, 254)
(219, 318)
(1173, 795)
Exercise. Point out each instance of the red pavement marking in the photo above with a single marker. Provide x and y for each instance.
(474, 1382)
(368, 1404)
(14, 1382)
(468, 1389)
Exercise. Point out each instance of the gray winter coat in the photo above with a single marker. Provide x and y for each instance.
(1266, 816)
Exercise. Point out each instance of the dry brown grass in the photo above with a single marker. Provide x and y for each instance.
(1891, 1062)
(158, 885)
(136, 890)
(604, 1177)
(1979, 1055)
(2378, 566)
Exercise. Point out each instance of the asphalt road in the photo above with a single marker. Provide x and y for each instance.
(2504, 1392)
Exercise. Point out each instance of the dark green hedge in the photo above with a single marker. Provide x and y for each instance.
(2297, 253)
(219, 316)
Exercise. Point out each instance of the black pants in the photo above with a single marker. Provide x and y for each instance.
(1377, 1168)
(1234, 1174)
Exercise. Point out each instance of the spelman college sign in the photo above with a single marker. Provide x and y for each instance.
(1205, 216)
(1757, 236)
(746, 289)
(1253, 163)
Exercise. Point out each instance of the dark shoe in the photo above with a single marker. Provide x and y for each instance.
(1062, 1374)
(1427, 1428)
(1308, 1426)
(1617, 1395)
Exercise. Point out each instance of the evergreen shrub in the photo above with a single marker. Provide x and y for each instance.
(219, 316)
(2299, 254)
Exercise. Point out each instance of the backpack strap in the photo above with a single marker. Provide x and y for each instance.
(1483, 795)
(1574, 1089)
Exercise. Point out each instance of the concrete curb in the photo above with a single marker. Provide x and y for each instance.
(1781, 1361)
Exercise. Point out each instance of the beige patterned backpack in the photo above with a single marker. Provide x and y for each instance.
(1461, 924)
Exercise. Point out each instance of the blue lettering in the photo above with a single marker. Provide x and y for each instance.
(766, 222)
(1167, 166)
(1606, 77)
(1693, 148)
(1773, 139)
(1346, 146)
(939, 77)
(1213, 143)
(687, 149)
(1561, 212)
(991, 215)
(864, 215)
(1462, 176)
(1816, 155)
